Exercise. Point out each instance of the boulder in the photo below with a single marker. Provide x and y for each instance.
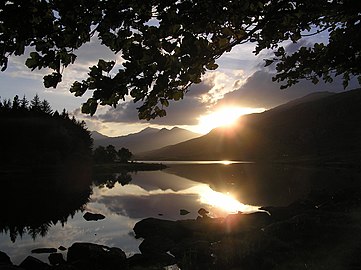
(150, 227)
(62, 248)
(193, 252)
(240, 222)
(44, 250)
(4, 259)
(96, 255)
(32, 263)
(10, 267)
(56, 259)
(150, 261)
(183, 212)
(93, 217)
(156, 244)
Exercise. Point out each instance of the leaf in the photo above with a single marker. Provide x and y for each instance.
(33, 62)
(78, 89)
(164, 102)
(268, 62)
(106, 66)
(212, 66)
(177, 95)
(90, 106)
(223, 42)
(52, 80)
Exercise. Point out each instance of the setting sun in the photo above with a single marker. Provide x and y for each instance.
(226, 116)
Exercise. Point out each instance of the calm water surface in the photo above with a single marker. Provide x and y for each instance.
(219, 187)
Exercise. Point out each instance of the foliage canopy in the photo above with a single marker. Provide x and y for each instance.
(168, 44)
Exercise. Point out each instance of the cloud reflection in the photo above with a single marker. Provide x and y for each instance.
(135, 202)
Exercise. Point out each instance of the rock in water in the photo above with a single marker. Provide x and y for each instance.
(56, 259)
(44, 250)
(93, 256)
(150, 227)
(31, 263)
(183, 212)
(93, 217)
(4, 259)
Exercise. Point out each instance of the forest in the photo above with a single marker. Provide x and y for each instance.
(35, 135)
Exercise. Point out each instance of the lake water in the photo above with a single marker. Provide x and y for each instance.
(220, 187)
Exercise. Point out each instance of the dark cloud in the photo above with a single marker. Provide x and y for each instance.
(196, 90)
(183, 112)
(260, 91)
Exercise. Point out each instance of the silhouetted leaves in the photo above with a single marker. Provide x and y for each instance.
(166, 46)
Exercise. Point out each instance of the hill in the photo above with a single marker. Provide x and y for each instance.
(319, 128)
(145, 140)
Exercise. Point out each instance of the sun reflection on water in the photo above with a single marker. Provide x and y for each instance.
(220, 202)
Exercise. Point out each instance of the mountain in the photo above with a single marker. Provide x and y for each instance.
(319, 127)
(98, 136)
(145, 140)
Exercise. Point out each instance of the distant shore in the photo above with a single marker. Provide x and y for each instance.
(129, 167)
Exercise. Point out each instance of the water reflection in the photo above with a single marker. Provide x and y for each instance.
(37, 199)
(164, 195)
(266, 184)
(31, 209)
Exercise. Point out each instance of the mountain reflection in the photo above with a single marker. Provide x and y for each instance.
(35, 199)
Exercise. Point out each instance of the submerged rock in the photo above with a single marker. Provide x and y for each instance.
(93, 217)
(203, 212)
(151, 261)
(43, 250)
(89, 255)
(183, 212)
(4, 259)
(56, 259)
(62, 248)
(156, 244)
(151, 227)
(32, 263)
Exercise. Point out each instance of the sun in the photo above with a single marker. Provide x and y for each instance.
(226, 116)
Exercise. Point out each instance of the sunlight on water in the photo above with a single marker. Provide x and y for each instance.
(217, 200)
(226, 162)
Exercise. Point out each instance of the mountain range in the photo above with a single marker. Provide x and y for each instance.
(320, 127)
(145, 140)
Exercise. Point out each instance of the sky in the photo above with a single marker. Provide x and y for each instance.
(240, 85)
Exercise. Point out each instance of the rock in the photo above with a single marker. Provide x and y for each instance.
(244, 222)
(183, 212)
(193, 252)
(147, 261)
(10, 267)
(44, 250)
(31, 263)
(84, 254)
(4, 259)
(156, 244)
(56, 259)
(62, 248)
(203, 212)
(150, 227)
(93, 217)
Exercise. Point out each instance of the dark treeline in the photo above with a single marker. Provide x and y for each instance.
(34, 134)
(110, 155)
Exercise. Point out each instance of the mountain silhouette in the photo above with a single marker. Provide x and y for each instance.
(320, 127)
(145, 140)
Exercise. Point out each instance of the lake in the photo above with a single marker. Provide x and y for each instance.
(35, 217)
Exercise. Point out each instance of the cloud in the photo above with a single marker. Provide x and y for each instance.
(183, 112)
(259, 91)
